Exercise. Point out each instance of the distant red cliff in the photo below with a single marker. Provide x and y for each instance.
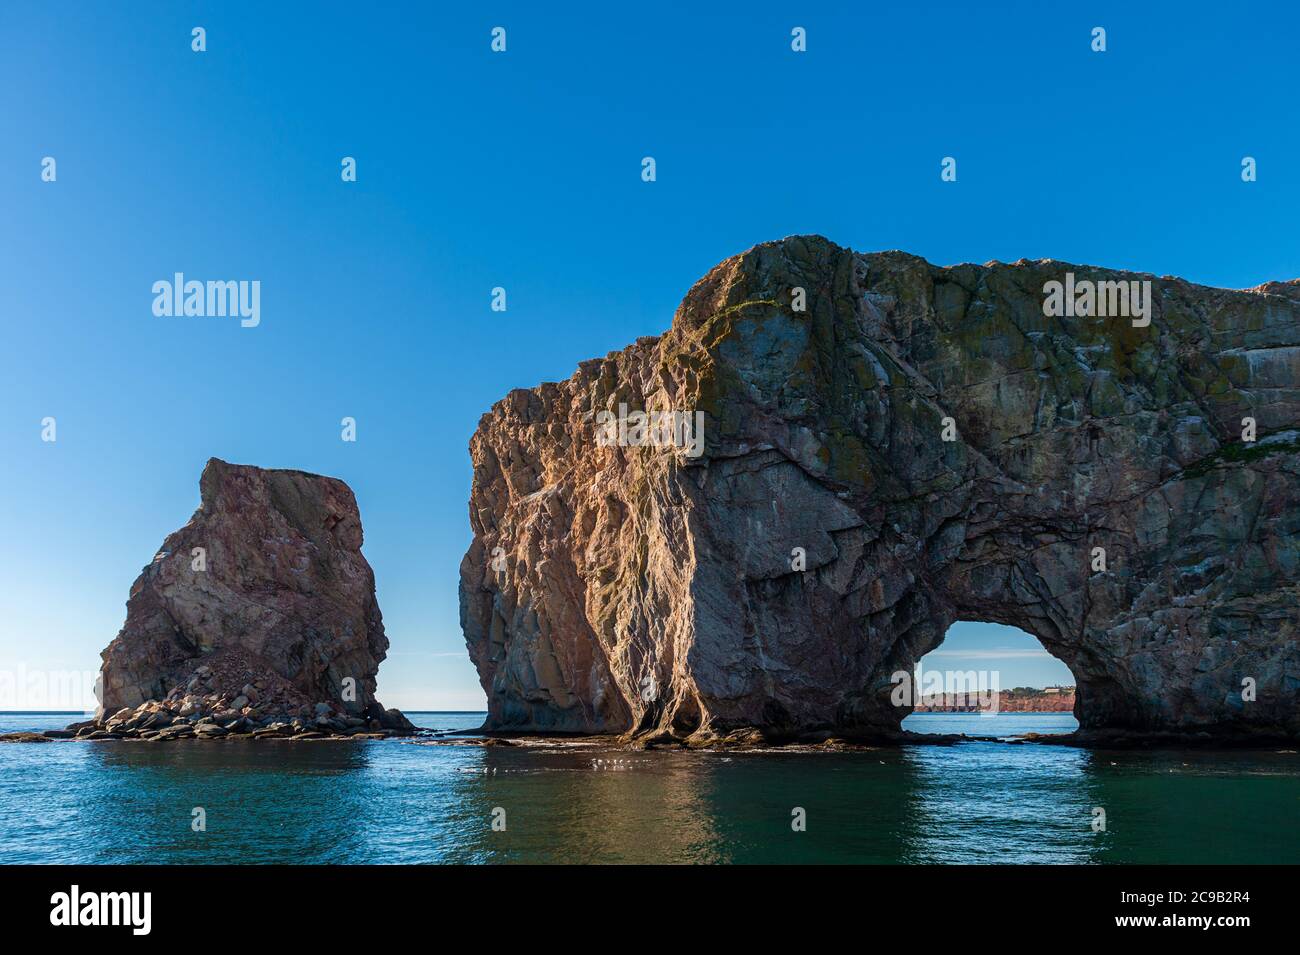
(1019, 700)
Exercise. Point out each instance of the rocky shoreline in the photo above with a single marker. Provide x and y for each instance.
(256, 711)
(146, 724)
(756, 742)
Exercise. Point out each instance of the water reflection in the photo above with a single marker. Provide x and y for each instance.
(997, 803)
(390, 801)
(262, 802)
(567, 807)
(688, 807)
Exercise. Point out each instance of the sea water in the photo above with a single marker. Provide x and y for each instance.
(395, 801)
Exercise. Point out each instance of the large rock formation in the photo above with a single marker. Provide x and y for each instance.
(261, 607)
(639, 589)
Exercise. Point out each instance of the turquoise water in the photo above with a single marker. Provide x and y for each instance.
(1000, 725)
(394, 802)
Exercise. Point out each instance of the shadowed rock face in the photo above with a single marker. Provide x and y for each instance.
(642, 590)
(286, 598)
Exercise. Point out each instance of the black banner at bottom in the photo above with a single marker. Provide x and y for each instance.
(144, 905)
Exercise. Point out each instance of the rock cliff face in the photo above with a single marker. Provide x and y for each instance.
(261, 607)
(619, 588)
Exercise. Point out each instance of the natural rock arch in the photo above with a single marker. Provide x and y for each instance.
(964, 674)
(639, 589)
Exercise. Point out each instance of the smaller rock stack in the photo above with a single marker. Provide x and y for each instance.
(257, 618)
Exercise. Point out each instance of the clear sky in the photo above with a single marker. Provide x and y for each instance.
(522, 170)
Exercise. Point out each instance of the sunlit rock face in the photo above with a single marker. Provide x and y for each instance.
(266, 582)
(617, 588)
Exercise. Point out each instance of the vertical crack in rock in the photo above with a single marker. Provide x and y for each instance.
(638, 589)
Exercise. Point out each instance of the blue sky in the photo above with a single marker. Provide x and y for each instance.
(522, 170)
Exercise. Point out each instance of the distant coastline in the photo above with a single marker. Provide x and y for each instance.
(1022, 699)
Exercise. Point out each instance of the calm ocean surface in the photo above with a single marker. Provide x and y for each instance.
(394, 802)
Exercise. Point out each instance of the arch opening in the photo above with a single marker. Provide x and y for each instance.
(991, 679)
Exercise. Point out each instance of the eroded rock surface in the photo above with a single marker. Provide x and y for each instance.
(636, 589)
(260, 611)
